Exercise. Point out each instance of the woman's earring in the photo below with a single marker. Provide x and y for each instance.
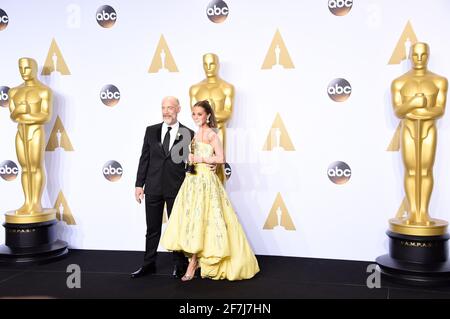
(207, 120)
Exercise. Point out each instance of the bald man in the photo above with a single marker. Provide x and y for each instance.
(159, 177)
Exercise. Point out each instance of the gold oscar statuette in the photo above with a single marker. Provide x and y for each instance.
(30, 107)
(418, 98)
(220, 94)
(191, 165)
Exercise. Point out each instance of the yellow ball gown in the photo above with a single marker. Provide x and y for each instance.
(203, 222)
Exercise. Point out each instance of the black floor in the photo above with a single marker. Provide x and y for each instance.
(105, 274)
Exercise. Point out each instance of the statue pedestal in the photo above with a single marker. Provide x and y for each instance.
(416, 260)
(35, 242)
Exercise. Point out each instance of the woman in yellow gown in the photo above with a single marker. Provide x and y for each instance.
(203, 223)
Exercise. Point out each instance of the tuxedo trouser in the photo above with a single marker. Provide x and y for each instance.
(154, 209)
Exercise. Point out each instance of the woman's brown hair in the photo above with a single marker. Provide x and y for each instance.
(209, 110)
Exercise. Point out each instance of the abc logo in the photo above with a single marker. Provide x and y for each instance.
(339, 172)
(112, 171)
(106, 16)
(4, 97)
(340, 7)
(227, 170)
(3, 20)
(217, 11)
(110, 95)
(8, 170)
(339, 90)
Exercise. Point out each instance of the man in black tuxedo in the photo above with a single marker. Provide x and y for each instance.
(160, 175)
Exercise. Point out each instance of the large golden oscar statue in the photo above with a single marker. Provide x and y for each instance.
(220, 94)
(419, 98)
(30, 230)
(418, 247)
(31, 107)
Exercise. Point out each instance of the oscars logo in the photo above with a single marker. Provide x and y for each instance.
(4, 97)
(279, 216)
(277, 57)
(278, 138)
(340, 7)
(217, 11)
(55, 61)
(106, 16)
(112, 171)
(64, 213)
(339, 172)
(4, 20)
(339, 90)
(110, 95)
(401, 51)
(59, 140)
(8, 170)
(162, 59)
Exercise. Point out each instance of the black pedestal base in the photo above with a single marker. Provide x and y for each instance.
(416, 260)
(31, 243)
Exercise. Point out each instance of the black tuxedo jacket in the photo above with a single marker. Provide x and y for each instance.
(158, 173)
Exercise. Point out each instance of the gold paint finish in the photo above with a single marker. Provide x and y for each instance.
(419, 98)
(31, 107)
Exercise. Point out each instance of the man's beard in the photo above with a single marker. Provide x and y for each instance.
(168, 120)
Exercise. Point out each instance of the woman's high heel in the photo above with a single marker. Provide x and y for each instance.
(191, 276)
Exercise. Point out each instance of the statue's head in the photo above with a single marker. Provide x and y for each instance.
(419, 55)
(211, 64)
(28, 68)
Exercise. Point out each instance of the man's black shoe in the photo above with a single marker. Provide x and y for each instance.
(144, 270)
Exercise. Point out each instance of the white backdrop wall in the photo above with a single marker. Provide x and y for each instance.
(345, 221)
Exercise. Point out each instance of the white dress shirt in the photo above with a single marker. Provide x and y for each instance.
(173, 132)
